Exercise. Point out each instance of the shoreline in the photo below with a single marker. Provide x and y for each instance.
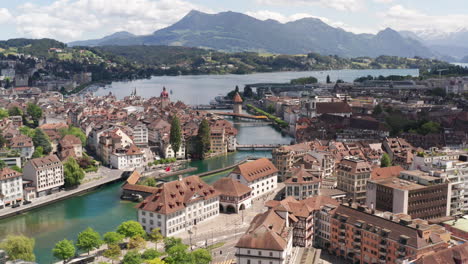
(60, 196)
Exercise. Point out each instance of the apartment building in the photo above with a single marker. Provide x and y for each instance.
(218, 140)
(11, 187)
(128, 158)
(301, 184)
(259, 175)
(285, 157)
(45, 173)
(452, 166)
(24, 145)
(178, 206)
(414, 193)
(140, 135)
(352, 176)
(400, 151)
(361, 236)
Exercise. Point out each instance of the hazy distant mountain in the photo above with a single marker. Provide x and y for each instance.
(118, 36)
(230, 31)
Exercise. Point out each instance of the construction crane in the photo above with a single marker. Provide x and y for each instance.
(440, 72)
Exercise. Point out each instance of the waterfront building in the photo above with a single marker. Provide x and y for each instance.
(301, 184)
(233, 195)
(414, 193)
(46, 174)
(360, 235)
(178, 206)
(168, 152)
(11, 187)
(352, 176)
(157, 129)
(110, 140)
(140, 135)
(218, 140)
(259, 175)
(230, 133)
(23, 145)
(237, 106)
(128, 158)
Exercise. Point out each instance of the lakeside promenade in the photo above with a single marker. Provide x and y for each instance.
(102, 177)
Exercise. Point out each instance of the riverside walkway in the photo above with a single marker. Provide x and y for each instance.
(106, 176)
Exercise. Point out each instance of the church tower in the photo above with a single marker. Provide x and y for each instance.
(164, 98)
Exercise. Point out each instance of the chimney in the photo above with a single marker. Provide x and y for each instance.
(180, 177)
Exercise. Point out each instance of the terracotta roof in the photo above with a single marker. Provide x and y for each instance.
(21, 141)
(134, 177)
(388, 172)
(267, 231)
(302, 208)
(174, 196)
(237, 98)
(231, 187)
(48, 161)
(7, 173)
(133, 150)
(453, 255)
(333, 107)
(300, 175)
(396, 229)
(354, 166)
(69, 141)
(140, 188)
(256, 169)
(53, 126)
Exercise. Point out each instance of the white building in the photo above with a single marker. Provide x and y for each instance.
(45, 173)
(260, 175)
(301, 184)
(233, 195)
(168, 152)
(179, 206)
(24, 145)
(129, 158)
(11, 187)
(140, 135)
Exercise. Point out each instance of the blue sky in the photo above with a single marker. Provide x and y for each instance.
(68, 20)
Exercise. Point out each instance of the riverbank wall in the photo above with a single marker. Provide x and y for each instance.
(60, 196)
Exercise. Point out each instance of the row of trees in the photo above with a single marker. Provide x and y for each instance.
(131, 231)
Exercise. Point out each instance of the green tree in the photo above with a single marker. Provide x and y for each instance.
(175, 137)
(3, 113)
(27, 131)
(3, 141)
(248, 92)
(40, 139)
(136, 242)
(201, 256)
(38, 152)
(377, 110)
(15, 111)
(130, 229)
(429, 128)
(3, 164)
(75, 131)
(156, 261)
(132, 257)
(178, 254)
(88, 240)
(328, 79)
(385, 161)
(271, 108)
(151, 254)
(171, 241)
(35, 112)
(73, 173)
(203, 140)
(155, 236)
(16, 168)
(19, 247)
(113, 252)
(112, 238)
(64, 250)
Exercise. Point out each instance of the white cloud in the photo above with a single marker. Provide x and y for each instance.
(342, 5)
(402, 18)
(384, 1)
(70, 19)
(266, 14)
(5, 16)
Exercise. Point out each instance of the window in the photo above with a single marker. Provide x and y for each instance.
(271, 254)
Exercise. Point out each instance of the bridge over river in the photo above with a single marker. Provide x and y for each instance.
(258, 146)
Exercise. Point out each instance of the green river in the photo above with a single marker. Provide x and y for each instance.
(103, 210)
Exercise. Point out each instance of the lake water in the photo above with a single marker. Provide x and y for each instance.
(201, 89)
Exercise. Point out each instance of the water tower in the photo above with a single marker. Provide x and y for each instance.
(237, 108)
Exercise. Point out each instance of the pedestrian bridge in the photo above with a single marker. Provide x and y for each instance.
(258, 146)
(242, 116)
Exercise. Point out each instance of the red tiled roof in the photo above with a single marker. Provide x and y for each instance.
(388, 172)
(333, 107)
(256, 169)
(7, 173)
(237, 98)
(231, 187)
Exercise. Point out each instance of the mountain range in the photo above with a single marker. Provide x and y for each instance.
(234, 32)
